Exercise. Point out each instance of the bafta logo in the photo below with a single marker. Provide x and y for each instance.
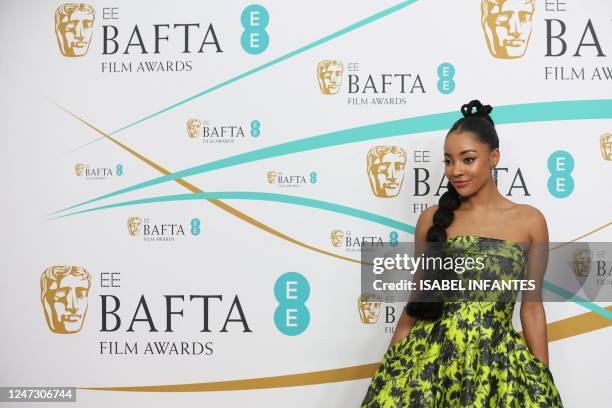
(329, 74)
(73, 28)
(134, 224)
(386, 170)
(507, 26)
(369, 307)
(78, 169)
(193, 127)
(272, 176)
(64, 292)
(581, 262)
(336, 237)
(606, 146)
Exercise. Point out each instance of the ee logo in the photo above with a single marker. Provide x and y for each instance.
(313, 176)
(195, 226)
(291, 316)
(393, 236)
(255, 128)
(446, 72)
(560, 182)
(254, 20)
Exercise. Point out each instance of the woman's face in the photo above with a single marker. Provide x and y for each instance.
(467, 162)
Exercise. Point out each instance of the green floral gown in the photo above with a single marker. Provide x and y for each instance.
(471, 356)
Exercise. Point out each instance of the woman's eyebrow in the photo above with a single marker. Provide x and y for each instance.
(462, 152)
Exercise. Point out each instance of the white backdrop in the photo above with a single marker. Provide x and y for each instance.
(57, 111)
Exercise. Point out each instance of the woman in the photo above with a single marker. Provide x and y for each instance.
(449, 353)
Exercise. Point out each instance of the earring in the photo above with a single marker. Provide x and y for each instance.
(494, 174)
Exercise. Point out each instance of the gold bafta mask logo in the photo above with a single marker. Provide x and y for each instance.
(369, 307)
(64, 294)
(78, 169)
(606, 146)
(329, 74)
(336, 237)
(74, 28)
(193, 127)
(581, 262)
(507, 26)
(272, 176)
(386, 170)
(134, 224)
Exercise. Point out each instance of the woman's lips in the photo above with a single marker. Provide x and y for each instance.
(460, 184)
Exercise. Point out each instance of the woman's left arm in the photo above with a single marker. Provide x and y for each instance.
(533, 316)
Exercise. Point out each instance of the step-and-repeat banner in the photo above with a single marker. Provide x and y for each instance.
(188, 185)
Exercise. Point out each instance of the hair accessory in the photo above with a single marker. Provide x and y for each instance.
(481, 110)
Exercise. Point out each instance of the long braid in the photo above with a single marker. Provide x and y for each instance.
(479, 122)
(442, 218)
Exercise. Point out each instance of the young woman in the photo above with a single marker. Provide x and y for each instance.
(448, 353)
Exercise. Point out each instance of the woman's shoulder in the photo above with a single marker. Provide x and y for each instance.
(534, 222)
(430, 210)
(522, 211)
(529, 212)
(425, 219)
(426, 215)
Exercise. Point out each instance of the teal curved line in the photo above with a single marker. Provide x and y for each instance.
(508, 114)
(262, 196)
(327, 206)
(577, 299)
(268, 64)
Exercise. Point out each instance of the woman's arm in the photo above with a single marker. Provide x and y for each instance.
(533, 320)
(533, 316)
(403, 328)
(405, 323)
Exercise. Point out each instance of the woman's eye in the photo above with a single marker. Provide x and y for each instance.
(469, 159)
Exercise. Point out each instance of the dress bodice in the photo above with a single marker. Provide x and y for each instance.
(504, 261)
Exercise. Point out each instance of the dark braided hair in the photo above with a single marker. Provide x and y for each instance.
(475, 119)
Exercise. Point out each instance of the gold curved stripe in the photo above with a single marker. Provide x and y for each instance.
(576, 325)
(292, 380)
(561, 329)
(213, 201)
(583, 235)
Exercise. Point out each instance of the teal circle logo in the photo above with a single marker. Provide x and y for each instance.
(254, 20)
(313, 177)
(291, 291)
(195, 226)
(560, 165)
(446, 84)
(393, 236)
(255, 128)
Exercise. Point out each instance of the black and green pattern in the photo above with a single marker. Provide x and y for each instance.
(471, 356)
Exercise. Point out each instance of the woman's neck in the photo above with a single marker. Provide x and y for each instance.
(487, 198)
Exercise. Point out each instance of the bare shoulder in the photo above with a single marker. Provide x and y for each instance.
(424, 222)
(426, 217)
(534, 222)
(530, 213)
